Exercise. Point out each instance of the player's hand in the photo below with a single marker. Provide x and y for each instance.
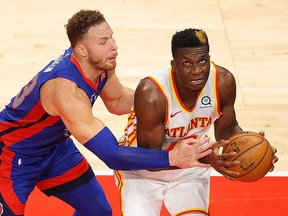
(217, 160)
(189, 151)
(274, 150)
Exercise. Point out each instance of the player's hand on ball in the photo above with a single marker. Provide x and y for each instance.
(274, 151)
(275, 158)
(189, 151)
(217, 160)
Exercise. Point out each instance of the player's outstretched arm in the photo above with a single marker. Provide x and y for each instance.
(61, 97)
(186, 155)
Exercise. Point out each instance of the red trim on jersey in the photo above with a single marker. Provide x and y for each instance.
(5, 182)
(73, 173)
(122, 143)
(131, 140)
(89, 82)
(175, 90)
(172, 145)
(217, 90)
(36, 113)
(23, 133)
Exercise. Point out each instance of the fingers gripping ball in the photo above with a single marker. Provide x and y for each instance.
(254, 153)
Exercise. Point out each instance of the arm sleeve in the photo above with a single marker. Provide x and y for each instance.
(105, 146)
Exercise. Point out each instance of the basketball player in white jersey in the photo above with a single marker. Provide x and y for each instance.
(174, 104)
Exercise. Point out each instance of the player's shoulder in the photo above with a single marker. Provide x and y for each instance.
(226, 81)
(149, 82)
(148, 90)
(225, 76)
(146, 86)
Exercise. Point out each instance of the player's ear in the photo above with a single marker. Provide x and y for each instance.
(81, 50)
(172, 63)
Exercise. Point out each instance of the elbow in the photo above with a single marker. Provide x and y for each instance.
(119, 110)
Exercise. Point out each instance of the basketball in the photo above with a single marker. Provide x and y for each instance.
(254, 153)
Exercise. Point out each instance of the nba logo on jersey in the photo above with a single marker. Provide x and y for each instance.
(93, 97)
(103, 76)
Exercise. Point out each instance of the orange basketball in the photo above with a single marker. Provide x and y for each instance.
(254, 153)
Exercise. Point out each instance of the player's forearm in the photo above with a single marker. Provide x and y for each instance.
(106, 147)
(126, 100)
(227, 132)
(123, 104)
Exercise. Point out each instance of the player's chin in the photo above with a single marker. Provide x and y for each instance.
(111, 66)
(196, 87)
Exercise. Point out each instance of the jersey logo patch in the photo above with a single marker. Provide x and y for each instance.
(206, 102)
(174, 114)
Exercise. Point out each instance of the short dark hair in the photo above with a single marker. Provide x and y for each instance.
(189, 38)
(80, 23)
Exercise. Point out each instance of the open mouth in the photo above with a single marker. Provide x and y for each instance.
(196, 81)
(113, 60)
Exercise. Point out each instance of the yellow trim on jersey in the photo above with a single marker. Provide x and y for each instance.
(216, 92)
(120, 185)
(129, 138)
(177, 97)
(175, 92)
(192, 210)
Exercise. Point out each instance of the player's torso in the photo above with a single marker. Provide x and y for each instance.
(25, 127)
(180, 121)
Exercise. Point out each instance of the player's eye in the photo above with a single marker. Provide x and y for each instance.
(202, 61)
(186, 63)
(104, 41)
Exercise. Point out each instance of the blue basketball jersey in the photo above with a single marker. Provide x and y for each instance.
(25, 127)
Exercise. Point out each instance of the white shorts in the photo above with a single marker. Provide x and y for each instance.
(143, 192)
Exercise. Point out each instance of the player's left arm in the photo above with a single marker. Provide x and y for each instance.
(227, 124)
(117, 98)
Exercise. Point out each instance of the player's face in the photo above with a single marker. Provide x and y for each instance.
(101, 47)
(191, 68)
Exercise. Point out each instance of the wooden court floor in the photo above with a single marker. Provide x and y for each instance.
(248, 37)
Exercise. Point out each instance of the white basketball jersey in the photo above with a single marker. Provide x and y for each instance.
(181, 122)
(140, 188)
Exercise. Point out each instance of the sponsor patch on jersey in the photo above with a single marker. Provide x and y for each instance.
(206, 102)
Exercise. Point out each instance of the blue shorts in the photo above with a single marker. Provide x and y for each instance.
(62, 170)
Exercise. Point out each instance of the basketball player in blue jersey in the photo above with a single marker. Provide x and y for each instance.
(171, 105)
(35, 127)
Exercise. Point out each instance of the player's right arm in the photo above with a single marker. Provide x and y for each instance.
(150, 110)
(62, 97)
